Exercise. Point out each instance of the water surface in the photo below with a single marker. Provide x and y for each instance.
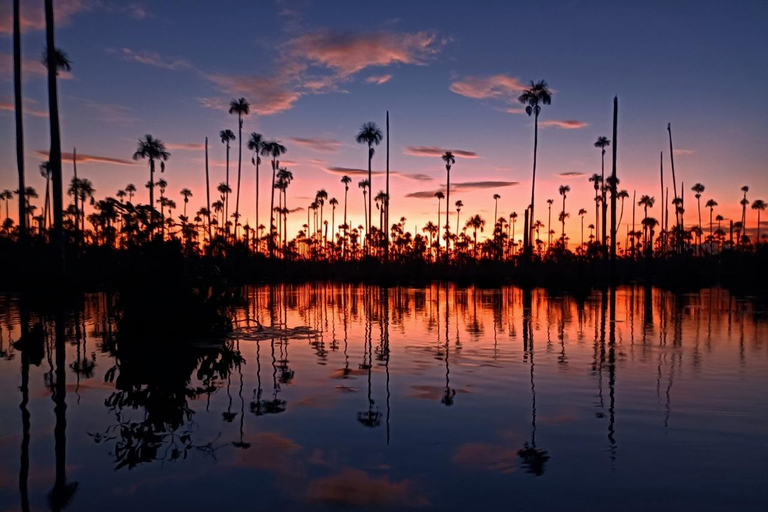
(349, 397)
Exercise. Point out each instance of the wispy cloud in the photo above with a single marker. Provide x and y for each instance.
(86, 158)
(30, 68)
(31, 108)
(571, 174)
(484, 87)
(685, 152)
(347, 53)
(151, 58)
(349, 171)
(185, 146)
(33, 15)
(436, 151)
(566, 124)
(462, 187)
(268, 95)
(317, 144)
(378, 79)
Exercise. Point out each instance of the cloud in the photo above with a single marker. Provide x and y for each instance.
(317, 144)
(185, 146)
(294, 210)
(515, 110)
(685, 152)
(107, 112)
(351, 171)
(571, 174)
(462, 187)
(485, 87)
(85, 158)
(378, 80)
(417, 177)
(485, 456)
(29, 109)
(347, 53)
(267, 95)
(32, 14)
(355, 488)
(271, 452)
(151, 58)
(566, 124)
(437, 151)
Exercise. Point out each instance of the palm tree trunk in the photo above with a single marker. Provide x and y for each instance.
(207, 191)
(603, 202)
(370, 201)
(54, 156)
(239, 168)
(533, 179)
(19, 116)
(674, 181)
(438, 228)
(151, 195)
(447, 214)
(614, 180)
(662, 234)
(272, 211)
(386, 200)
(258, 160)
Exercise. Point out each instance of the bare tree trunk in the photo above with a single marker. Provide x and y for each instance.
(386, 201)
(55, 150)
(19, 117)
(614, 185)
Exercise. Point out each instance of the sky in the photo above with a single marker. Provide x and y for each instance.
(448, 75)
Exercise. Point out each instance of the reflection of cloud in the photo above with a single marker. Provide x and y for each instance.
(566, 124)
(484, 87)
(85, 158)
(317, 144)
(462, 187)
(571, 174)
(270, 451)
(486, 456)
(437, 151)
(347, 53)
(378, 80)
(355, 488)
(431, 392)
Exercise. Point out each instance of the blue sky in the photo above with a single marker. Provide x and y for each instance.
(448, 73)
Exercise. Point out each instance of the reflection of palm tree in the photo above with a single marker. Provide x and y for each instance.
(448, 393)
(370, 418)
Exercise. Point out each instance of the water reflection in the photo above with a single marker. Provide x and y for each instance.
(451, 385)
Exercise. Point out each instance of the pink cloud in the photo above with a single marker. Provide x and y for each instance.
(32, 14)
(349, 171)
(190, 146)
(151, 58)
(28, 109)
(355, 488)
(685, 152)
(378, 80)
(348, 53)
(85, 158)
(566, 124)
(435, 151)
(571, 174)
(267, 95)
(317, 144)
(485, 87)
(30, 68)
(514, 110)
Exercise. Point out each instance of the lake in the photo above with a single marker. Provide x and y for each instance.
(343, 397)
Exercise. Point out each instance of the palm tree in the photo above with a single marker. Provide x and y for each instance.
(54, 60)
(602, 143)
(440, 196)
(744, 203)
(582, 213)
(496, 198)
(475, 222)
(223, 190)
(285, 177)
(45, 172)
(186, 194)
(333, 202)
(242, 108)
(711, 205)
(365, 185)
(564, 189)
(698, 189)
(449, 160)
(274, 149)
(623, 194)
(6, 195)
(226, 137)
(550, 202)
(759, 205)
(459, 205)
(646, 202)
(255, 144)
(320, 198)
(130, 189)
(597, 180)
(19, 118)
(513, 217)
(536, 95)
(151, 149)
(370, 135)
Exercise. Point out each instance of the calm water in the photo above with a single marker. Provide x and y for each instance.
(343, 397)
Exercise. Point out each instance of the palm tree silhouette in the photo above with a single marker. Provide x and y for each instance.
(475, 222)
(711, 205)
(744, 203)
(19, 119)
(370, 135)
(698, 189)
(346, 180)
(496, 198)
(536, 95)
(759, 205)
(646, 202)
(256, 144)
(564, 189)
(623, 194)
(186, 194)
(333, 202)
(602, 143)
(440, 196)
(459, 205)
(550, 202)
(151, 149)
(130, 189)
(582, 213)
(273, 149)
(365, 185)
(241, 107)
(449, 160)
(226, 137)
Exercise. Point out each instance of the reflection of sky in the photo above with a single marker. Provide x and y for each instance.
(314, 72)
(686, 382)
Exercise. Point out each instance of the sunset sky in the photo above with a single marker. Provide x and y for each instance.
(448, 73)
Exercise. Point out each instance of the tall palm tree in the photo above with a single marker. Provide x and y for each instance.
(186, 194)
(45, 172)
(440, 196)
(534, 97)
(459, 205)
(496, 198)
(370, 135)
(151, 149)
(582, 213)
(597, 182)
(449, 160)
(513, 218)
(475, 222)
(550, 202)
(255, 144)
(698, 189)
(744, 203)
(365, 185)
(54, 61)
(241, 107)
(285, 177)
(19, 117)
(273, 149)
(564, 189)
(226, 137)
(320, 198)
(711, 205)
(334, 203)
(602, 143)
(759, 205)
(623, 194)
